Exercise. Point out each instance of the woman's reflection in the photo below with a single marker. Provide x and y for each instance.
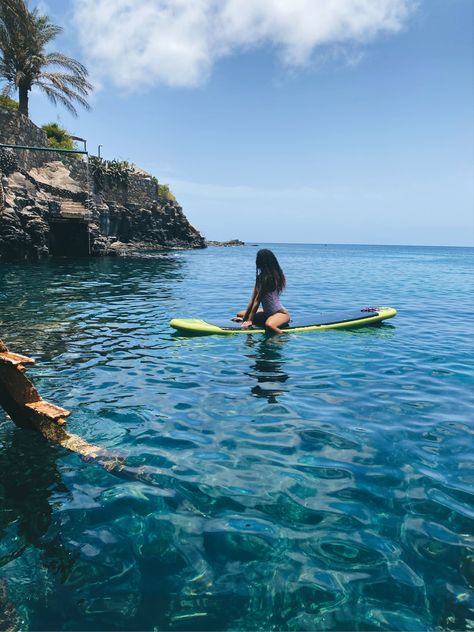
(267, 368)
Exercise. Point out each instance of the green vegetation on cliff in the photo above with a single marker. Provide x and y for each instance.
(58, 137)
(6, 102)
(115, 172)
(163, 190)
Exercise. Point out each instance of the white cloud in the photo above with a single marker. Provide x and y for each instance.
(141, 43)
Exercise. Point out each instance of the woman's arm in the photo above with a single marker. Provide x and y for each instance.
(251, 303)
(251, 308)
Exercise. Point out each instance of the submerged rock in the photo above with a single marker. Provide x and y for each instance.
(10, 620)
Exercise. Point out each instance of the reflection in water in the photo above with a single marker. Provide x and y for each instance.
(268, 366)
(342, 506)
(269, 361)
(79, 294)
(30, 478)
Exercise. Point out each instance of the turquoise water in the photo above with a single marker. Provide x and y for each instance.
(318, 481)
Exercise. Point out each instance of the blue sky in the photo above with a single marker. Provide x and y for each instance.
(348, 121)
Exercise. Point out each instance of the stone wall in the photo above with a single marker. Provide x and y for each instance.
(116, 219)
(33, 225)
(17, 129)
(140, 189)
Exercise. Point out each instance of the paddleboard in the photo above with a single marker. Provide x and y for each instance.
(344, 319)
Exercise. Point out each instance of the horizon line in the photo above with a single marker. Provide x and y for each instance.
(311, 243)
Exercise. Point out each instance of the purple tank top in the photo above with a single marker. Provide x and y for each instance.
(271, 303)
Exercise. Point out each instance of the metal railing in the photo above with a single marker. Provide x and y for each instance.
(52, 149)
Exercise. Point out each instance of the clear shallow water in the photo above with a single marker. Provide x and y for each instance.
(309, 481)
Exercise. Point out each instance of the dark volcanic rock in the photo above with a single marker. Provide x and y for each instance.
(127, 229)
(46, 209)
(232, 242)
(43, 209)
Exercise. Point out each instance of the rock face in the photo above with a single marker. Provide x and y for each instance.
(232, 242)
(49, 206)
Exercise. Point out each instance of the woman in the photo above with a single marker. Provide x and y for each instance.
(269, 284)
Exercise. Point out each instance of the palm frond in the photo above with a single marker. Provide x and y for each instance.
(58, 59)
(69, 92)
(7, 90)
(58, 91)
(57, 96)
(24, 61)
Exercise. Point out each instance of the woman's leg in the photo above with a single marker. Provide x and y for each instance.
(240, 315)
(258, 316)
(276, 321)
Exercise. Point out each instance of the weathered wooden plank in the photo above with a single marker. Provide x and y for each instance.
(19, 397)
(7, 357)
(23, 404)
(48, 410)
(18, 385)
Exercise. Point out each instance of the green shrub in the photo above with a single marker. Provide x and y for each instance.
(6, 102)
(109, 172)
(58, 137)
(163, 190)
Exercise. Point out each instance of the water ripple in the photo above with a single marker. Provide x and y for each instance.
(319, 482)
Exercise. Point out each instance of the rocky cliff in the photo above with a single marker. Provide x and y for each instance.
(51, 205)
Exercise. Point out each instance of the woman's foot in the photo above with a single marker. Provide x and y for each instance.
(275, 330)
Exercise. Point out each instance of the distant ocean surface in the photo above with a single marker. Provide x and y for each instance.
(318, 481)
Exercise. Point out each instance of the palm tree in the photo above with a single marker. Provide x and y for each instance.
(24, 62)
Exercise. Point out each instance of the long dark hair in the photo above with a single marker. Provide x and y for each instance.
(270, 276)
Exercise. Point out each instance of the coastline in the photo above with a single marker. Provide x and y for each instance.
(228, 244)
(74, 204)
